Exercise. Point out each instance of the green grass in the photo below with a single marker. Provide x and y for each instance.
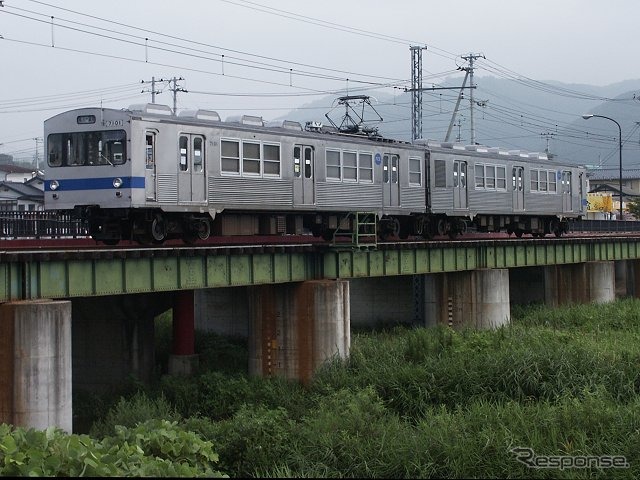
(412, 402)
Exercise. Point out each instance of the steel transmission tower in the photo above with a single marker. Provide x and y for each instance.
(416, 92)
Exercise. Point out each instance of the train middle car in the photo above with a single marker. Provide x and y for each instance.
(148, 175)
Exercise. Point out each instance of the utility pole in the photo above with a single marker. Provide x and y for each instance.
(37, 139)
(175, 89)
(153, 88)
(416, 92)
(470, 58)
(548, 135)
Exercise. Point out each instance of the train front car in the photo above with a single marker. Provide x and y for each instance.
(89, 169)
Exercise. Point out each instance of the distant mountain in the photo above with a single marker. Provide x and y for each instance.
(524, 114)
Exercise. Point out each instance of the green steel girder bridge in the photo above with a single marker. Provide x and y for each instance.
(54, 274)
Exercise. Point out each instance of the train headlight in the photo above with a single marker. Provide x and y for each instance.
(54, 185)
(117, 182)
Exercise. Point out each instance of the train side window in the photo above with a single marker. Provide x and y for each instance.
(553, 185)
(271, 159)
(440, 170)
(296, 162)
(365, 164)
(542, 180)
(150, 153)
(534, 181)
(350, 166)
(333, 165)
(501, 177)
(250, 158)
(415, 171)
(490, 176)
(198, 154)
(230, 156)
(183, 153)
(479, 175)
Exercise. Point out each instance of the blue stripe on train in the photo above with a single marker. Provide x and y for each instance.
(95, 183)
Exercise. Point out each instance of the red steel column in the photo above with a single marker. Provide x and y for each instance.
(183, 324)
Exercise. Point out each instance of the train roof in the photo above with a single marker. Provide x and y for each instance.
(313, 129)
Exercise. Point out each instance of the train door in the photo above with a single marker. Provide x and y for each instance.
(150, 166)
(460, 193)
(191, 168)
(567, 192)
(390, 180)
(303, 181)
(518, 188)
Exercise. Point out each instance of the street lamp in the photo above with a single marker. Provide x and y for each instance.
(587, 116)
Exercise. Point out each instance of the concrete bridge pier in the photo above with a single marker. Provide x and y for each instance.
(579, 283)
(477, 299)
(295, 327)
(35, 364)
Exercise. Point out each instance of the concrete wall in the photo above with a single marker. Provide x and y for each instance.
(113, 338)
(382, 300)
(296, 327)
(35, 364)
(223, 310)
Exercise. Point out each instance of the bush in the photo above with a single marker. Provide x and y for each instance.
(154, 448)
(130, 412)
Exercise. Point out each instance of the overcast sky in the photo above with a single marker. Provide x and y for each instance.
(279, 55)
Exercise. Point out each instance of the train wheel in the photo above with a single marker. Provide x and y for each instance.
(158, 229)
(204, 229)
(441, 226)
(519, 232)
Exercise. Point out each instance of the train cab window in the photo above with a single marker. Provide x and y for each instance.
(198, 154)
(86, 148)
(365, 166)
(183, 153)
(230, 156)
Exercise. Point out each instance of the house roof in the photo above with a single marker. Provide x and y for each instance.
(23, 190)
(10, 168)
(613, 174)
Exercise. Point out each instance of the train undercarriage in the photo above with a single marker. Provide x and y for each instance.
(154, 226)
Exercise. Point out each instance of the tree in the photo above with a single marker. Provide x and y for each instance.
(633, 207)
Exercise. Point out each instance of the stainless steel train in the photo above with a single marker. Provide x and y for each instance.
(146, 174)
